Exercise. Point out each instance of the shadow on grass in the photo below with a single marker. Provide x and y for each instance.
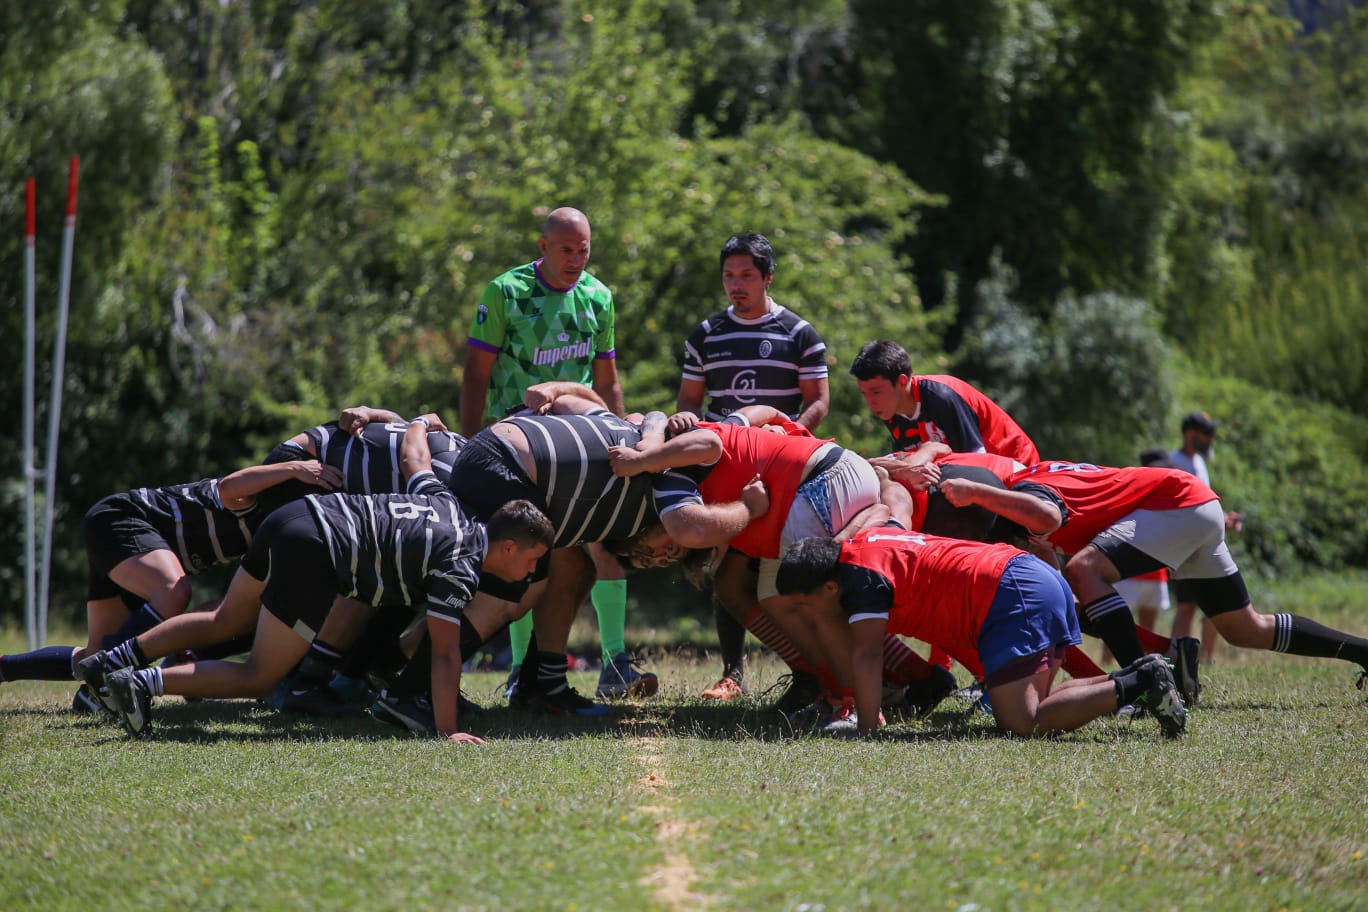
(243, 721)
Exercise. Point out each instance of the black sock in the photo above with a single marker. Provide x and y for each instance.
(551, 671)
(50, 663)
(317, 667)
(1110, 616)
(1301, 636)
(137, 623)
(1129, 685)
(416, 678)
(731, 636)
(238, 645)
(378, 649)
(471, 641)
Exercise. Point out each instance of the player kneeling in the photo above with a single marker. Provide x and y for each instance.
(1012, 608)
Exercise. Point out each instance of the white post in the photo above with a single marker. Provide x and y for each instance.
(30, 473)
(55, 415)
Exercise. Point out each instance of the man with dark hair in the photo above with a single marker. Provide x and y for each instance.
(1119, 523)
(753, 353)
(1010, 607)
(935, 407)
(392, 551)
(551, 320)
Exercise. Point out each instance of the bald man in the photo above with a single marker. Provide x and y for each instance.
(543, 321)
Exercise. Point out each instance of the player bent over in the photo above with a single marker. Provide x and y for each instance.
(1012, 608)
(417, 551)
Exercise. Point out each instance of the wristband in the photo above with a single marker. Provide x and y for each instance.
(423, 421)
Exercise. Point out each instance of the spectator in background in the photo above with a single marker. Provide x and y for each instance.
(1199, 435)
(753, 353)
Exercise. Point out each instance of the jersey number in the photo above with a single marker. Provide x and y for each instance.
(412, 511)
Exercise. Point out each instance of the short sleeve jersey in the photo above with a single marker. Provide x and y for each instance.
(779, 460)
(1092, 498)
(370, 463)
(952, 412)
(192, 519)
(938, 590)
(584, 500)
(540, 334)
(754, 362)
(418, 549)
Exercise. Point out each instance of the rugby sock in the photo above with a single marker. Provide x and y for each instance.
(610, 604)
(317, 666)
(1128, 684)
(51, 663)
(471, 641)
(901, 664)
(767, 632)
(1151, 641)
(551, 670)
(519, 636)
(830, 683)
(128, 654)
(1110, 616)
(238, 645)
(152, 678)
(1296, 635)
(731, 636)
(136, 624)
(1078, 665)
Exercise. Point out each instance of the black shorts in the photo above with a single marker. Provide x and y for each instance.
(115, 530)
(290, 555)
(488, 474)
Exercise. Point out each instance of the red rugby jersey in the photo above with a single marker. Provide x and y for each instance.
(955, 413)
(1097, 496)
(779, 460)
(941, 588)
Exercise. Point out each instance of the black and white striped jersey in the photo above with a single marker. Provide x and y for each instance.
(417, 549)
(754, 362)
(584, 500)
(370, 463)
(194, 522)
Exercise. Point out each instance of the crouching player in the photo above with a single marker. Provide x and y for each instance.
(415, 551)
(1010, 606)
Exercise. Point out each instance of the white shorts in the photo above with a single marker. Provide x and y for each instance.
(1144, 593)
(824, 506)
(1190, 541)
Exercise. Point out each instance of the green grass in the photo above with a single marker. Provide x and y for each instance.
(673, 804)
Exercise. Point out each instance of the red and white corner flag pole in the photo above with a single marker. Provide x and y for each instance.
(55, 414)
(31, 474)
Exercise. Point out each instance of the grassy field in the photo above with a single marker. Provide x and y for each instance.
(672, 804)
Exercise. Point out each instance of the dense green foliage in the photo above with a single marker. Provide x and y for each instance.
(287, 207)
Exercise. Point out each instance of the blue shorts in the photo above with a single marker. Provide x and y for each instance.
(1032, 619)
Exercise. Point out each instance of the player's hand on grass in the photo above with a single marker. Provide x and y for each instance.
(464, 738)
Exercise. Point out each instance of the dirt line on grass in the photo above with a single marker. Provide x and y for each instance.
(673, 879)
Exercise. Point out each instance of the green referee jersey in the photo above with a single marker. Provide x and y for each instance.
(540, 334)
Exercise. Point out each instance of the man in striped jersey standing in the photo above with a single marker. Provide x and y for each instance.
(753, 353)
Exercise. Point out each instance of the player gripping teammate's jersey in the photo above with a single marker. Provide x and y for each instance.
(540, 334)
